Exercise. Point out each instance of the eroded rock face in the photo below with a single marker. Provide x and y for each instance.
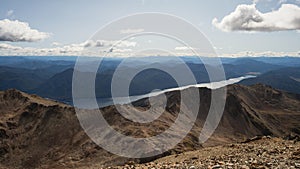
(40, 133)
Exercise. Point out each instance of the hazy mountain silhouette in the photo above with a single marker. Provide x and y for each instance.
(287, 79)
(22, 79)
(51, 77)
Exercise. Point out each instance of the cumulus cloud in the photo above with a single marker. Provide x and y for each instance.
(123, 44)
(107, 43)
(16, 31)
(4, 46)
(91, 43)
(248, 18)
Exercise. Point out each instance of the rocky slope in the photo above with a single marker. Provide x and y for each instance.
(262, 153)
(41, 133)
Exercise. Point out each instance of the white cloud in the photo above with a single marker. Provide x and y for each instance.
(87, 48)
(248, 18)
(187, 51)
(78, 50)
(123, 44)
(122, 50)
(7, 49)
(182, 48)
(56, 44)
(265, 53)
(185, 48)
(289, 1)
(4, 46)
(16, 31)
(106, 43)
(191, 51)
(91, 43)
(131, 31)
(9, 13)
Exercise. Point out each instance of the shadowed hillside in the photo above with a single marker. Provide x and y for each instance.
(286, 79)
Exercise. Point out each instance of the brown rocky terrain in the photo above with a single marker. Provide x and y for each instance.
(262, 153)
(41, 133)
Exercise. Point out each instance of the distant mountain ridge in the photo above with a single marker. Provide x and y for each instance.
(51, 77)
(284, 79)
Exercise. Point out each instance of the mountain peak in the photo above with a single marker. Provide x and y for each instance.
(18, 97)
(14, 94)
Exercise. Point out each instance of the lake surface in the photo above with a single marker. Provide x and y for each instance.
(103, 102)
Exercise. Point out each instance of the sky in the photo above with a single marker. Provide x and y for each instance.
(234, 27)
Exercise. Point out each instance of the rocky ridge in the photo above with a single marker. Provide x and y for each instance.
(41, 133)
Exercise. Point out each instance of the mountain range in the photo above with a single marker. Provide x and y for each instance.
(287, 79)
(51, 77)
(42, 133)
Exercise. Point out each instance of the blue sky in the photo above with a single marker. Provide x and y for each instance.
(74, 21)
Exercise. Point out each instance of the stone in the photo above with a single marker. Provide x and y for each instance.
(244, 167)
(216, 166)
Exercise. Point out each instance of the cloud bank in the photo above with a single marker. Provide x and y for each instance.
(16, 31)
(87, 48)
(264, 54)
(79, 50)
(248, 18)
(106, 43)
